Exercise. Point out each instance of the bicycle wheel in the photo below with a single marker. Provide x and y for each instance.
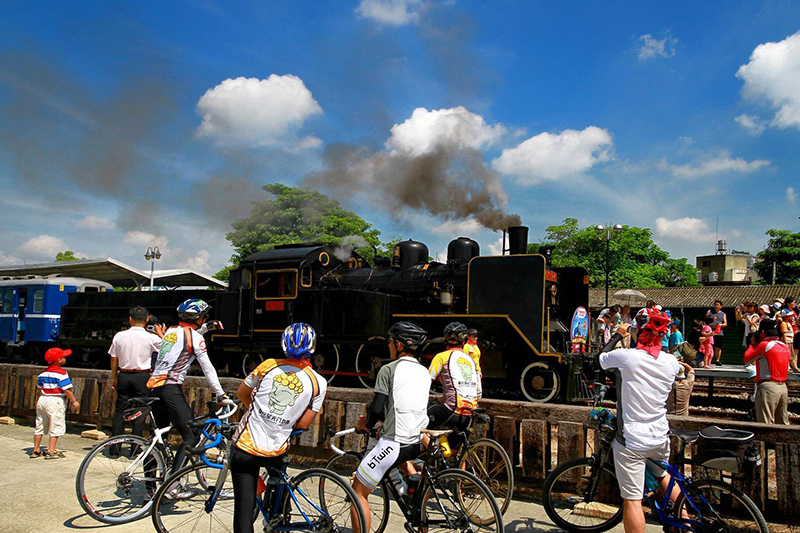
(567, 503)
(718, 507)
(490, 463)
(114, 482)
(345, 466)
(455, 500)
(179, 506)
(310, 508)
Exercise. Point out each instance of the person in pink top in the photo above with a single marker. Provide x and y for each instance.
(707, 346)
(771, 358)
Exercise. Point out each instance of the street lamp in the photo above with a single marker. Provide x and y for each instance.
(605, 232)
(151, 255)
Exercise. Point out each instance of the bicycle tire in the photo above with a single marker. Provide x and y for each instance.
(106, 491)
(730, 509)
(345, 466)
(179, 505)
(490, 462)
(454, 499)
(331, 513)
(564, 489)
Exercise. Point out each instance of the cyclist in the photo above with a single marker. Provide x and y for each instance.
(179, 347)
(471, 348)
(644, 377)
(280, 395)
(401, 397)
(461, 383)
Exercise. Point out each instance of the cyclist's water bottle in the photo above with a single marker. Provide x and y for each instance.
(271, 493)
(444, 444)
(413, 483)
(398, 481)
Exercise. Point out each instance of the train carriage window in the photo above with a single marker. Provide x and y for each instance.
(38, 300)
(276, 284)
(306, 276)
(90, 288)
(7, 299)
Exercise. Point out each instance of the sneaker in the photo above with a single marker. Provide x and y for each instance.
(180, 493)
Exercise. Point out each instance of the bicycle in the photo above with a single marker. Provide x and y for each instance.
(285, 502)
(582, 495)
(450, 499)
(117, 478)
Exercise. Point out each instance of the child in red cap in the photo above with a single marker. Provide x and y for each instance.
(54, 384)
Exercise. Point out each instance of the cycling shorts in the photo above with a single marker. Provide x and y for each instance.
(383, 457)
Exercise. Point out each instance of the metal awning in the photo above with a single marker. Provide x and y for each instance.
(114, 272)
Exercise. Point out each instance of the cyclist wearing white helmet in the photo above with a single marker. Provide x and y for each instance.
(280, 395)
(401, 397)
(180, 346)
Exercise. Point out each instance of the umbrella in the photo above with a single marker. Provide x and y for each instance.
(630, 295)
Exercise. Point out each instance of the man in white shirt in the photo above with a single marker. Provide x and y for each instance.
(644, 377)
(131, 352)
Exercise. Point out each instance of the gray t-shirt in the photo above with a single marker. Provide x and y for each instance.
(407, 384)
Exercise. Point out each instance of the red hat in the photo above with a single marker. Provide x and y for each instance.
(54, 354)
(651, 324)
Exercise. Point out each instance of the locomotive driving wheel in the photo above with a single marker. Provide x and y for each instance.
(370, 357)
(540, 382)
(326, 361)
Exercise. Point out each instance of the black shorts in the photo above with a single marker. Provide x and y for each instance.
(441, 415)
(718, 341)
(796, 341)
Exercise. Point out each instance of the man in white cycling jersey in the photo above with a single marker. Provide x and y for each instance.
(401, 399)
(180, 346)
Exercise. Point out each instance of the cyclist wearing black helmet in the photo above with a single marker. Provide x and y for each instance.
(180, 346)
(401, 397)
(461, 382)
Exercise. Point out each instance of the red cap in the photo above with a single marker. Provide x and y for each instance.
(54, 354)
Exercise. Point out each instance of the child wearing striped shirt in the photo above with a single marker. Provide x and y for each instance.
(55, 385)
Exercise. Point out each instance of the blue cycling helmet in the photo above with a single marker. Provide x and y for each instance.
(193, 309)
(299, 341)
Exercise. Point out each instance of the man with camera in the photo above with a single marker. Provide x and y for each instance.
(771, 358)
(131, 354)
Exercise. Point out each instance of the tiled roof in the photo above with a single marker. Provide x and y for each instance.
(704, 297)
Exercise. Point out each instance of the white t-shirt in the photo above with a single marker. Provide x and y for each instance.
(642, 392)
(134, 348)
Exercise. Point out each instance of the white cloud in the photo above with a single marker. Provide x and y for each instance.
(791, 196)
(253, 112)
(652, 47)
(199, 262)
(391, 12)
(689, 229)
(93, 223)
(721, 163)
(551, 156)
(773, 74)
(496, 248)
(458, 228)
(426, 131)
(43, 247)
(8, 259)
(752, 123)
(147, 240)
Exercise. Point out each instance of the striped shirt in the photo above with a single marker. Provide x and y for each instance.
(54, 381)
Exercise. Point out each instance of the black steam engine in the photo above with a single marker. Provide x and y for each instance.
(518, 302)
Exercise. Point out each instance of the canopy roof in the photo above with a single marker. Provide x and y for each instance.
(115, 272)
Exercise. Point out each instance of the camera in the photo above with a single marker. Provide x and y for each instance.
(152, 320)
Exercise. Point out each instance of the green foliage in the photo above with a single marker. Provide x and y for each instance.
(225, 273)
(67, 255)
(297, 215)
(783, 251)
(635, 261)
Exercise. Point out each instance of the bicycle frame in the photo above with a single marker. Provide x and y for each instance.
(285, 484)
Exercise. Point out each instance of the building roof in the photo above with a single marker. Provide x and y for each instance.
(673, 297)
(114, 272)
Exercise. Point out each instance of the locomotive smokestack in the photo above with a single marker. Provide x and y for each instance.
(517, 240)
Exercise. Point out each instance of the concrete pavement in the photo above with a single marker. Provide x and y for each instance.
(38, 495)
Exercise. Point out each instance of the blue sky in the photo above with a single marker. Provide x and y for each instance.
(128, 125)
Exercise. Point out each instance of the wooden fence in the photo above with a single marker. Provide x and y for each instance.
(537, 436)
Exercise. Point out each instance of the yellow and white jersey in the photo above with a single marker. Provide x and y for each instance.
(177, 350)
(461, 384)
(282, 391)
(473, 351)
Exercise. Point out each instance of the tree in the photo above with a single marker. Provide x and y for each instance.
(297, 215)
(635, 261)
(67, 255)
(782, 255)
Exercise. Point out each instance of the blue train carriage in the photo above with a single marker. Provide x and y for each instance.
(30, 317)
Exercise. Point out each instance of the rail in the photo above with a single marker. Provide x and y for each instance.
(537, 436)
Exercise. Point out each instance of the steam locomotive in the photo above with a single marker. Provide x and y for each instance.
(518, 302)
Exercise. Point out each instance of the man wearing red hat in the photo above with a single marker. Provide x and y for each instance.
(55, 385)
(644, 377)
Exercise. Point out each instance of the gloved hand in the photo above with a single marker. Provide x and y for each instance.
(224, 399)
(211, 325)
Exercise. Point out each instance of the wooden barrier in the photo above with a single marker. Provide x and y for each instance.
(537, 436)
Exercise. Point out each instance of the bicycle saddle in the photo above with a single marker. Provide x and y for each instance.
(436, 432)
(142, 401)
(686, 436)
